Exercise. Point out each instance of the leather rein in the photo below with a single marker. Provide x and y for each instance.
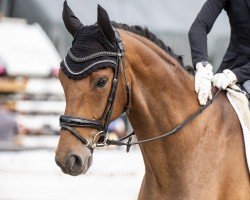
(171, 132)
(101, 138)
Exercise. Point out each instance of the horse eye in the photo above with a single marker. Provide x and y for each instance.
(101, 83)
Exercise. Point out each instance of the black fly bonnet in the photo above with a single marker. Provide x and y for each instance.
(94, 47)
(90, 51)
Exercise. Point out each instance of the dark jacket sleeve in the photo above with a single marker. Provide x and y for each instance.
(242, 73)
(201, 27)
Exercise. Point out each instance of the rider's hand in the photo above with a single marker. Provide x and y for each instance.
(203, 85)
(225, 79)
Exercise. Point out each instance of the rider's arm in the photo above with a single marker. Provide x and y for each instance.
(242, 73)
(201, 27)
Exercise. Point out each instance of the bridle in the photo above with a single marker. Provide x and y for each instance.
(101, 137)
(69, 122)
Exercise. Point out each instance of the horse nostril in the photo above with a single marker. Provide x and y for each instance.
(75, 163)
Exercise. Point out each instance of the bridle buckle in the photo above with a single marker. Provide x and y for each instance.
(94, 142)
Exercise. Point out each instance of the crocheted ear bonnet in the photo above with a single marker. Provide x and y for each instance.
(91, 48)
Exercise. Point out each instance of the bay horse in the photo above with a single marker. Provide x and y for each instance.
(203, 160)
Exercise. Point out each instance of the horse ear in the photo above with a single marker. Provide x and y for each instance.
(72, 23)
(105, 24)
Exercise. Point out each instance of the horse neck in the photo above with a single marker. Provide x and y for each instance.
(163, 96)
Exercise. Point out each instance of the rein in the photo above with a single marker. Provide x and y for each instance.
(128, 144)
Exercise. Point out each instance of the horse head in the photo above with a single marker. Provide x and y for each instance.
(89, 76)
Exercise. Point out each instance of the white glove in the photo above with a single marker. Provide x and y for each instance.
(225, 79)
(203, 84)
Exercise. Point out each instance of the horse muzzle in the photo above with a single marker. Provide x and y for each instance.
(74, 164)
